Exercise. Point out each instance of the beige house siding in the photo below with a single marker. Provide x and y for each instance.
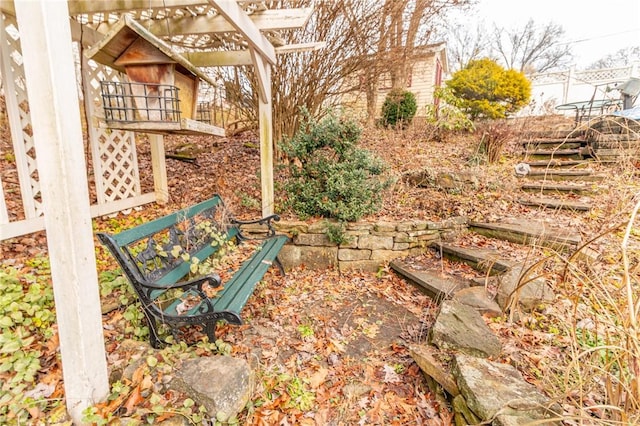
(423, 79)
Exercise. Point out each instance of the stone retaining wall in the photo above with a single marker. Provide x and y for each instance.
(370, 244)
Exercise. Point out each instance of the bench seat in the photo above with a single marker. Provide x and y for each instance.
(157, 257)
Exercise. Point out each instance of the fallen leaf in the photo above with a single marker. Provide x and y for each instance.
(138, 375)
(390, 375)
(187, 304)
(318, 378)
(135, 398)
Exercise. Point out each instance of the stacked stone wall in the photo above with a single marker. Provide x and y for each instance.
(368, 246)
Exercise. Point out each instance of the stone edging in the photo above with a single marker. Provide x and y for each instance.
(370, 245)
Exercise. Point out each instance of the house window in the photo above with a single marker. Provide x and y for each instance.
(384, 81)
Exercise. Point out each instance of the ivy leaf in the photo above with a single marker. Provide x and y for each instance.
(175, 251)
(10, 346)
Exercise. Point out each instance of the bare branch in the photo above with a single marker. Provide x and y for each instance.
(532, 48)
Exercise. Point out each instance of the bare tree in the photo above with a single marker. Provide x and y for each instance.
(620, 58)
(364, 38)
(316, 80)
(465, 44)
(404, 25)
(532, 48)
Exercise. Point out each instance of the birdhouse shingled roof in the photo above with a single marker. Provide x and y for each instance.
(113, 49)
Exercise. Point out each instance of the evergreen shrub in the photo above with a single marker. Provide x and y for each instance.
(489, 91)
(330, 176)
(399, 108)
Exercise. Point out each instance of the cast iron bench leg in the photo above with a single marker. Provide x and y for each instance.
(210, 330)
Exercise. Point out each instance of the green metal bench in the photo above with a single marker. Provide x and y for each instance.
(157, 257)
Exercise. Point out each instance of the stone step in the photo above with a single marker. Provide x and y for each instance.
(631, 153)
(547, 144)
(559, 133)
(481, 259)
(620, 144)
(559, 163)
(543, 154)
(550, 188)
(612, 127)
(585, 175)
(529, 233)
(436, 285)
(555, 204)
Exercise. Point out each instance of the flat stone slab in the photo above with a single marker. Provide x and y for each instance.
(459, 327)
(547, 188)
(478, 299)
(490, 387)
(530, 294)
(556, 204)
(427, 359)
(559, 163)
(527, 232)
(481, 259)
(549, 144)
(436, 285)
(577, 175)
(555, 152)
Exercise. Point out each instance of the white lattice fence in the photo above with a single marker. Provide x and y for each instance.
(604, 75)
(19, 119)
(554, 88)
(113, 151)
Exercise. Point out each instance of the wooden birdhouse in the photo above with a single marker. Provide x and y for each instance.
(161, 93)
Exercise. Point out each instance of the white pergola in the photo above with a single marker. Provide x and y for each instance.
(205, 30)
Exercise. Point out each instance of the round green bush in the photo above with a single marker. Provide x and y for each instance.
(399, 108)
(330, 176)
(487, 90)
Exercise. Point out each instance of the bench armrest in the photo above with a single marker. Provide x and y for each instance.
(267, 220)
(213, 280)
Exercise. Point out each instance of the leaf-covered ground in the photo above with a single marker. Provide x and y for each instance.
(327, 348)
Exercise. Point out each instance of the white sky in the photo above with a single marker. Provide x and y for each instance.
(595, 27)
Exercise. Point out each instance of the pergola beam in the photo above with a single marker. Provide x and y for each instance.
(266, 20)
(77, 7)
(245, 26)
(242, 57)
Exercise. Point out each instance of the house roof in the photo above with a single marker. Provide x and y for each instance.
(428, 50)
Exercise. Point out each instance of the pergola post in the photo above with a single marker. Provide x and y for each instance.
(266, 155)
(55, 111)
(263, 56)
(265, 122)
(159, 165)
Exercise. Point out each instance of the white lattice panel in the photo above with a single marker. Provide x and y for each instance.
(19, 118)
(549, 78)
(4, 214)
(119, 166)
(609, 74)
(113, 151)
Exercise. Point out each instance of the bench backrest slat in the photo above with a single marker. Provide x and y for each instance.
(138, 249)
(140, 232)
